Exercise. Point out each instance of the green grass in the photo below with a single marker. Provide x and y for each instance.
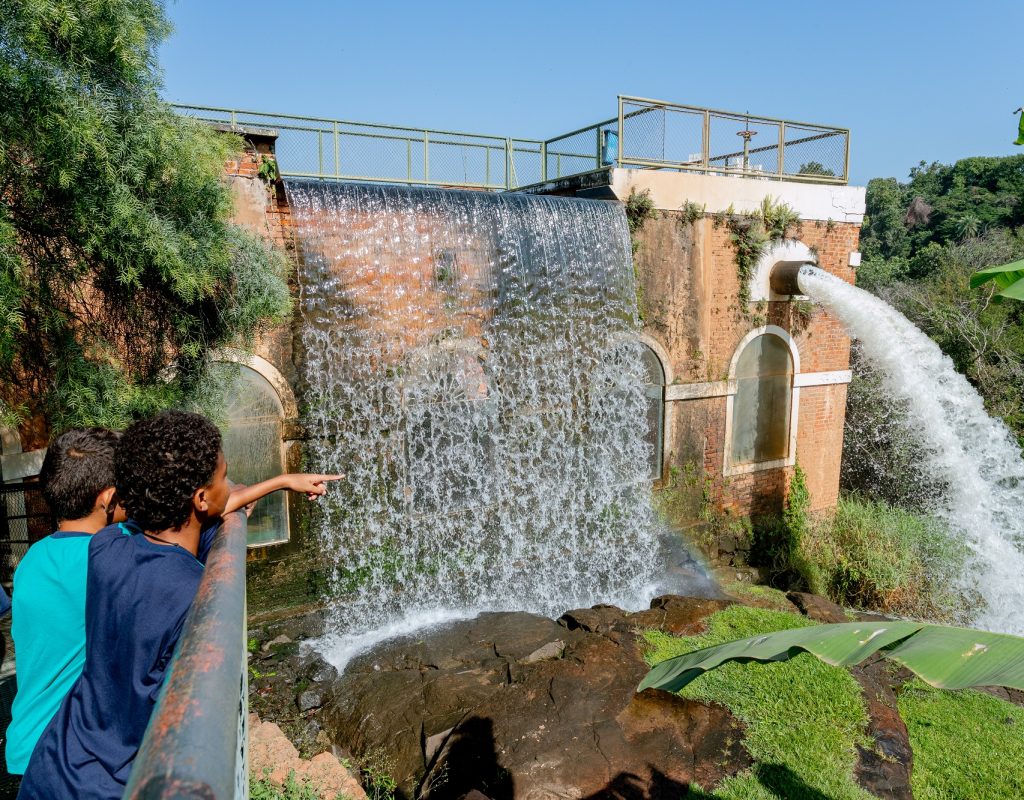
(757, 595)
(966, 744)
(803, 717)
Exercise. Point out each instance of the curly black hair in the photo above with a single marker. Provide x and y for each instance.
(160, 464)
(79, 464)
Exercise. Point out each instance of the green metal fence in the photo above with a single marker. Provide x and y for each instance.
(313, 147)
(645, 134)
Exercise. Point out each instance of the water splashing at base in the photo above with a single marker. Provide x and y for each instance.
(971, 454)
(472, 365)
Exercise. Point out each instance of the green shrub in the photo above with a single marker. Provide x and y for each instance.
(875, 556)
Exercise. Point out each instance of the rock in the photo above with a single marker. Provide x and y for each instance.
(474, 795)
(330, 778)
(273, 756)
(311, 698)
(550, 650)
(884, 770)
(513, 698)
(817, 608)
(575, 727)
(433, 744)
(282, 639)
(270, 751)
(324, 672)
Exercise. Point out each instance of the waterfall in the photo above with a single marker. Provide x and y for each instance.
(471, 363)
(973, 455)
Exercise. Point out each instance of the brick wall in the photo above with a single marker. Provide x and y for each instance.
(690, 296)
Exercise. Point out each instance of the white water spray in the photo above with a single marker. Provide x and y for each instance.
(472, 365)
(974, 455)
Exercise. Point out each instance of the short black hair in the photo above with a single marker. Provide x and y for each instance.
(79, 464)
(161, 463)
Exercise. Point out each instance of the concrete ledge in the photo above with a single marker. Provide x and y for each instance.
(15, 466)
(823, 378)
(699, 391)
(704, 390)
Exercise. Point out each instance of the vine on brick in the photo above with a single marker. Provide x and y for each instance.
(750, 233)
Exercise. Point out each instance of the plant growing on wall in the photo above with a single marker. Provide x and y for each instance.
(639, 209)
(119, 266)
(750, 233)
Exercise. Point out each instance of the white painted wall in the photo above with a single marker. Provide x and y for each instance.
(812, 201)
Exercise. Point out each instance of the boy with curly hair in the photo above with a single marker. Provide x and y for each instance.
(171, 477)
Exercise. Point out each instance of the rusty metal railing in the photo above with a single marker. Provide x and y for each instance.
(195, 745)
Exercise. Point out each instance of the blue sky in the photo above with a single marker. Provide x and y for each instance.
(913, 80)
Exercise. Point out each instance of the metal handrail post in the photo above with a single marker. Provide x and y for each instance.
(782, 148)
(705, 141)
(185, 754)
(622, 135)
(337, 152)
(426, 157)
(543, 162)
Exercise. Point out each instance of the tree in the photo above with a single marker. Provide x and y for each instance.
(815, 168)
(119, 266)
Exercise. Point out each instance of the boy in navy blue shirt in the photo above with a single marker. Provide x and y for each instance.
(171, 477)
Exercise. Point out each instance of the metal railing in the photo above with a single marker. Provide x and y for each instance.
(654, 134)
(24, 520)
(645, 134)
(195, 745)
(313, 147)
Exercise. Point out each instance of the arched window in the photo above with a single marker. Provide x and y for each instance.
(654, 377)
(254, 450)
(762, 405)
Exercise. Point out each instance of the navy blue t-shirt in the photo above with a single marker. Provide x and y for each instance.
(138, 593)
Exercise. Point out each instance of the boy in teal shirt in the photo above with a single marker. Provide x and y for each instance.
(48, 622)
(48, 616)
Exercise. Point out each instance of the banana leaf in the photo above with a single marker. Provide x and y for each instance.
(945, 657)
(1008, 277)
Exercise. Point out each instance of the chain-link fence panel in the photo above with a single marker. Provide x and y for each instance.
(816, 153)
(655, 134)
(743, 144)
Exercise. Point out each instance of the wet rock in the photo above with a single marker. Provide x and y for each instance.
(513, 698)
(311, 698)
(277, 640)
(885, 769)
(818, 608)
(324, 672)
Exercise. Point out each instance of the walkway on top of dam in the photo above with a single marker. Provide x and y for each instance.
(644, 134)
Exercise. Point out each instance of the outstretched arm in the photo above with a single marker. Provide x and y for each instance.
(311, 484)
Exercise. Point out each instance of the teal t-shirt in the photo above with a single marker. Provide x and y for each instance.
(48, 628)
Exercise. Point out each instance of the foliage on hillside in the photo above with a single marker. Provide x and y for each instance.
(119, 267)
(923, 239)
